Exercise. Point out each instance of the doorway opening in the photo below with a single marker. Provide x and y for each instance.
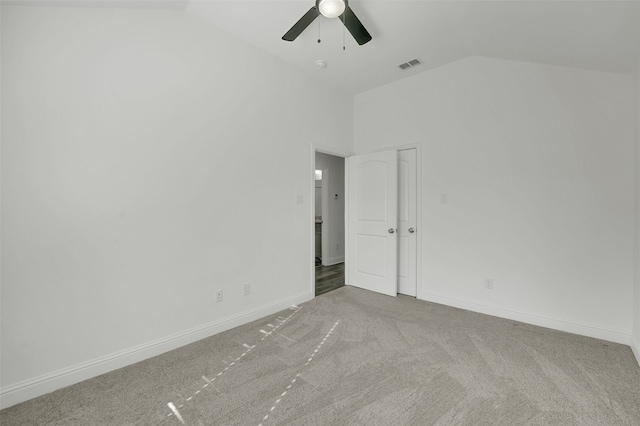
(329, 222)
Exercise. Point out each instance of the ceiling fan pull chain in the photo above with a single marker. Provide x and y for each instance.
(319, 30)
(344, 20)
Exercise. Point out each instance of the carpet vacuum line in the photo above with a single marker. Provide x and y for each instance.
(295, 379)
(172, 406)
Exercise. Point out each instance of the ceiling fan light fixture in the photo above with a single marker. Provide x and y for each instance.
(331, 8)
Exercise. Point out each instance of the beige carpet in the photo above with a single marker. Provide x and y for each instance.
(351, 357)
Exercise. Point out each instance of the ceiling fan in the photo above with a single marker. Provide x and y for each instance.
(331, 9)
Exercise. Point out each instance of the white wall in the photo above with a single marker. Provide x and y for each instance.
(335, 221)
(538, 165)
(635, 343)
(148, 160)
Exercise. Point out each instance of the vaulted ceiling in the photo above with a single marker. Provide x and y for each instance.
(597, 35)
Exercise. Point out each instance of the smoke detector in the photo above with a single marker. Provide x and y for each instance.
(320, 64)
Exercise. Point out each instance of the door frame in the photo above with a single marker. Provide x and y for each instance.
(419, 229)
(417, 219)
(312, 210)
(326, 220)
(345, 154)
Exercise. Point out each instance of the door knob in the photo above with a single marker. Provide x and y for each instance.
(411, 230)
(391, 230)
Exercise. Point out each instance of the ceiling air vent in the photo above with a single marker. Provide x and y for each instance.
(411, 63)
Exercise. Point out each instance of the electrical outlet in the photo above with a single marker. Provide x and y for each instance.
(218, 296)
(246, 289)
(488, 283)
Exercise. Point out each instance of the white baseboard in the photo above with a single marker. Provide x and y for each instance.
(615, 336)
(635, 347)
(37, 386)
(333, 261)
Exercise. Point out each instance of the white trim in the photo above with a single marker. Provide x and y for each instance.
(326, 216)
(37, 386)
(330, 150)
(346, 222)
(415, 145)
(635, 348)
(616, 336)
(419, 229)
(334, 261)
(312, 222)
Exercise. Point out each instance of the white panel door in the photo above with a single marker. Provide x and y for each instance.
(373, 221)
(407, 247)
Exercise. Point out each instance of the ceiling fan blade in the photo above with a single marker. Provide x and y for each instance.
(355, 27)
(302, 23)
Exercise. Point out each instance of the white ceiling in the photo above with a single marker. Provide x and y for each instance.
(599, 35)
(123, 4)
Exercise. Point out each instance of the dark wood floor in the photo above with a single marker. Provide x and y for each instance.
(329, 278)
